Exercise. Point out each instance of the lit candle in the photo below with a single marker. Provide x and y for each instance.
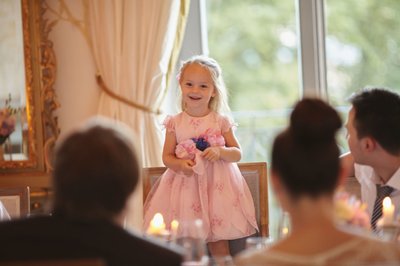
(174, 228)
(285, 231)
(174, 225)
(157, 225)
(388, 210)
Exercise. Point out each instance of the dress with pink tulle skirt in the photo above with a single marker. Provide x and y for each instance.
(216, 193)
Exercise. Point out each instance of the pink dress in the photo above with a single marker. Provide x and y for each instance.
(216, 193)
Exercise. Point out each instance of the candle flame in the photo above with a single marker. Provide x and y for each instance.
(174, 225)
(387, 202)
(158, 220)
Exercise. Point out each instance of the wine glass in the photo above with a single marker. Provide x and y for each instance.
(191, 238)
(284, 225)
(258, 242)
(221, 261)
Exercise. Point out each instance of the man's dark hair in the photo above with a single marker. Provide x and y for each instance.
(377, 115)
(95, 172)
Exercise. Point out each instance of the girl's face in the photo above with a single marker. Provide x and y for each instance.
(197, 88)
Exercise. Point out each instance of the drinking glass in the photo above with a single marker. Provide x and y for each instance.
(284, 225)
(192, 240)
(221, 261)
(258, 242)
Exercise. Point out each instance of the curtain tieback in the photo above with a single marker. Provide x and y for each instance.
(115, 96)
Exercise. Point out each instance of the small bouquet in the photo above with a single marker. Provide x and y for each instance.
(210, 138)
(350, 211)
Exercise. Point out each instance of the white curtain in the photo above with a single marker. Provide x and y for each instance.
(132, 43)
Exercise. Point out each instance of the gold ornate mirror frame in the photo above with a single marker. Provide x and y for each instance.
(40, 73)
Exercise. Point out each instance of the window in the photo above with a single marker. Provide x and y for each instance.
(362, 49)
(257, 51)
(256, 44)
(362, 46)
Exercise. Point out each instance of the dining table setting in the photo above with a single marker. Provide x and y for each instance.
(350, 214)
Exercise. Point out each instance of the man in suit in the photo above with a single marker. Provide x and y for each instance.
(96, 170)
(373, 133)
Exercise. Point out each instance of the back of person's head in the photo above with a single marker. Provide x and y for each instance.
(377, 115)
(305, 156)
(219, 102)
(96, 169)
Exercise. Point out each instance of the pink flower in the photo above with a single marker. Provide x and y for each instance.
(213, 137)
(186, 149)
(349, 210)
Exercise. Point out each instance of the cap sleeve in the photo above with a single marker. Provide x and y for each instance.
(227, 123)
(169, 124)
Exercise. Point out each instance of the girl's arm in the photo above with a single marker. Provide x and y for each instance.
(230, 153)
(169, 158)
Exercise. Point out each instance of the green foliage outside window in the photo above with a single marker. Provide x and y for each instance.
(363, 46)
(255, 42)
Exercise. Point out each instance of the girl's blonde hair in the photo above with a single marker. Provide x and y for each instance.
(218, 103)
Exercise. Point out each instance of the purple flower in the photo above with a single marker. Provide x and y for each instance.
(201, 143)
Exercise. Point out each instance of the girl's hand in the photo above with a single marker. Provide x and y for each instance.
(186, 166)
(212, 154)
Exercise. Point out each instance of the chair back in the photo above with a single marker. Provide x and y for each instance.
(352, 186)
(16, 201)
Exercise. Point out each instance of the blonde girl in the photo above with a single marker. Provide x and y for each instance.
(200, 151)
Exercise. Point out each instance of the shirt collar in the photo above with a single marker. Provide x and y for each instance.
(394, 181)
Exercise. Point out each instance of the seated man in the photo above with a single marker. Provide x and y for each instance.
(96, 171)
(373, 133)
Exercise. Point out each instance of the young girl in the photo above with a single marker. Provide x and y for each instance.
(200, 150)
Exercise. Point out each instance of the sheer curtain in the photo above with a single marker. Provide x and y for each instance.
(134, 44)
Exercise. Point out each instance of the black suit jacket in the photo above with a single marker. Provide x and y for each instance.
(52, 237)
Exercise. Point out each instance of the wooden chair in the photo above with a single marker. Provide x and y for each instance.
(16, 201)
(254, 173)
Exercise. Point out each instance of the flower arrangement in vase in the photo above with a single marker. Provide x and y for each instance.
(7, 121)
(350, 211)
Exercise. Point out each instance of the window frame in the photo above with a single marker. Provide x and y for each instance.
(311, 34)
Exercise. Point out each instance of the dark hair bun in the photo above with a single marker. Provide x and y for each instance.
(314, 121)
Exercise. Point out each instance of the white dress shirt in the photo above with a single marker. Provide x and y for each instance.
(368, 180)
